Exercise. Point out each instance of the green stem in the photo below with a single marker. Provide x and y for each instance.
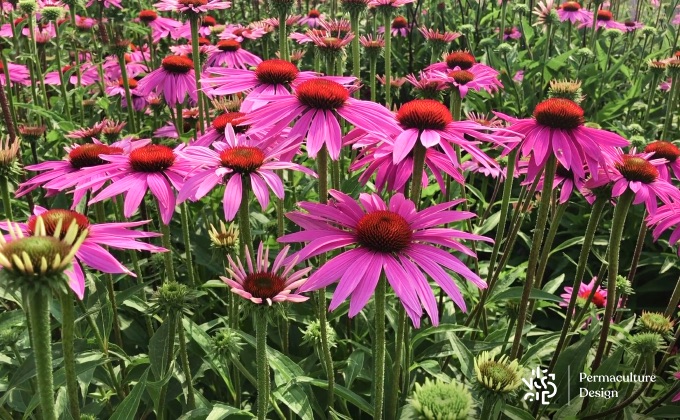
(588, 239)
(186, 367)
(62, 84)
(504, 10)
(356, 63)
(536, 242)
(184, 216)
(650, 98)
(387, 21)
(379, 352)
(6, 201)
(419, 152)
(196, 58)
(167, 360)
(262, 363)
(283, 37)
(128, 95)
(39, 309)
(675, 299)
(393, 400)
(371, 80)
(67, 339)
(167, 256)
(672, 94)
(618, 223)
(246, 241)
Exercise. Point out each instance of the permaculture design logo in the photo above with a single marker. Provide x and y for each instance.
(541, 386)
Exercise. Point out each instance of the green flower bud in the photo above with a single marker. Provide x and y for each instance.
(645, 343)
(27, 7)
(311, 335)
(442, 401)
(499, 376)
(52, 13)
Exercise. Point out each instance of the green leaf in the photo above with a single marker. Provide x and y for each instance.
(515, 413)
(568, 366)
(158, 350)
(465, 357)
(355, 364)
(221, 411)
(343, 392)
(128, 408)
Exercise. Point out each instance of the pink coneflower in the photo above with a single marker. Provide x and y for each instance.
(519, 76)
(191, 6)
(42, 32)
(640, 174)
(229, 52)
(313, 19)
(438, 38)
(573, 12)
(88, 75)
(241, 33)
(112, 69)
(631, 25)
(175, 79)
(316, 102)
(461, 60)
(397, 239)
(664, 218)
(668, 151)
(271, 77)
(395, 82)
(229, 162)
(337, 27)
(273, 22)
(557, 128)
(399, 27)
(566, 179)
(605, 19)
(388, 3)
(117, 88)
(584, 290)
(161, 27)
(543, 11)
(429, 122)
(107, 3)
(260, 284)
(304, 38)
(68, 170)
(18, 73)
(92, 252)
(427, 86)
(676, 375)
(511, 33)
(331, 43)
(474, 78)
(151, 167)
(84, 23)
(205, 28)
(375, 158)
(216, 132)
(87, 133)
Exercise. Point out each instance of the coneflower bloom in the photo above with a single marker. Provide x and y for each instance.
(18, 73)
(388, 3)
(664, 218)
(205, 28)
(230, 162)
(112, 69)
(152, 167)
(439, 39)
(566, 179)
(429, 122)
(84, 23)
(270, 77)
(313, 19)
(191, 6)
(229, 52)
(106, 3)
(241, 33)
(216, 131)
(68, 169)
(375, 158)
(474, 78)
(88, 75)
(461, 60)
(87, 133)
(668, 151)
(262, 284)
(117, 88)
(394, 238)
(174, 79)
(572, 11)
(640, 174)
(399, 27)
(584, 291)
(605, 19)
(557, 128)
(315, 102)
(426, 86)
(511, 33)
(631, 25)
(161, 27)
(329, 43)
(92, 252)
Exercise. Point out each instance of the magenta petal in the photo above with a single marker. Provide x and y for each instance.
(232, 197)
(366, 286)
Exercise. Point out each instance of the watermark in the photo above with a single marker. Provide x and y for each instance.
(541, 385)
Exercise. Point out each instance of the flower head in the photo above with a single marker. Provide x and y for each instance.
(394, 238)
(584, 291)
(265, 284)
(499, 376)
(191, 6)
(174, 79)
(441, 400)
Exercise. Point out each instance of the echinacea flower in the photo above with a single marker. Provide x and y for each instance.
(313, 19)
(205, 28)
(557, 128)
(640, 174)
(605, 19)
(399, 27)
(584, 290)
(241, 33)
(631, 25)
(191, 6)
(474, 78)
(439, 39)
(262, 284)
(388, 3)
(572, 11)
(117, 88)
(395, 239)
(86, 75)
(216, 131)
(511, 33)
(97, 235)
(270, 77)
(664, 218)
(566, 179)
(426, 86)
(229, 52)
(152, 167)
(461, 60)
(174, 79)
(315, 103)
(668, 151)
(233, 162)
(161, 27)
(17, 73)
